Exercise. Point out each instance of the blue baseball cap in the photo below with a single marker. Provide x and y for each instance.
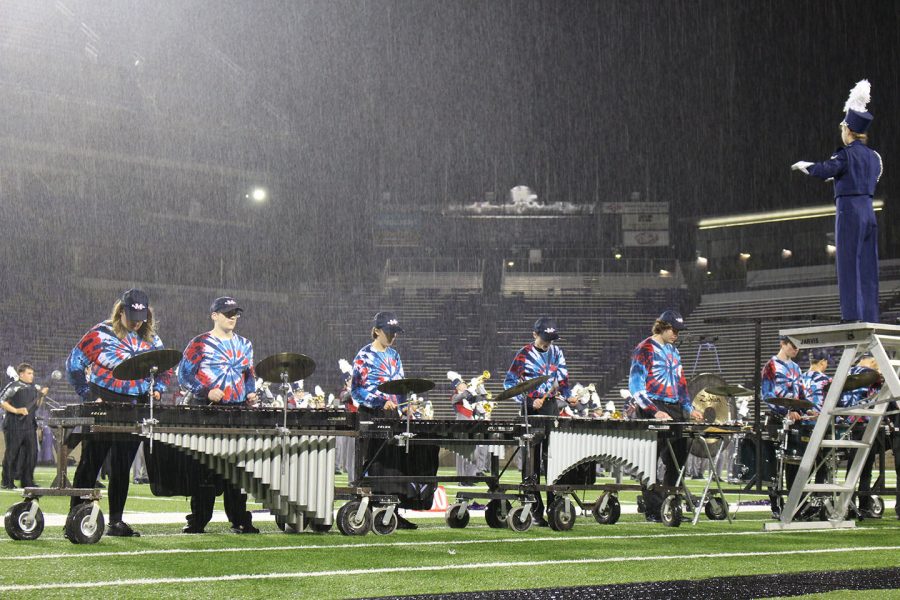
(137, 305)
(387, 322)
(673, 318)
(225, 304)
(817, 354)
(546, 328)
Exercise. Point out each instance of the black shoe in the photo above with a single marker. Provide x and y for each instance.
(540, 522)
(464, 484)
(405, 524)
(8, 487)
(192, 529)
(121, 529)
(652, 518)
(246, 528)
(477, 506)
(100, 486)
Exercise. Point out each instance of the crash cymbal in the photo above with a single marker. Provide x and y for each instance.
(297, 366)
(521, 388)
(863, 379)
(403, 387)
(714, 407)
(791, 403)
(140, 365)
(729, 390)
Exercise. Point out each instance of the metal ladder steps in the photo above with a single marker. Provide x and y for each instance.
(843, 444)
(857, 412)
(827, 487)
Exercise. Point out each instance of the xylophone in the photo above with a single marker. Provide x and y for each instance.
(289, 470)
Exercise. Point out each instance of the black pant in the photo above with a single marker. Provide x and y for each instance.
(864, 502)
(19, 458)
(538, 461)
(121, 455)
(203, 501)
(654, 495)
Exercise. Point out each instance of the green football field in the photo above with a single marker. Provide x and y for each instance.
(164, 563)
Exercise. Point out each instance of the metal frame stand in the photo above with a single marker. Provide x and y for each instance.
(883, 341)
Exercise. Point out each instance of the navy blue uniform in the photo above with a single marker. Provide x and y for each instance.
(856, 169)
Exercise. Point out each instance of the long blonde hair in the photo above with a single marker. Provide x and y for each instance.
(147, 330)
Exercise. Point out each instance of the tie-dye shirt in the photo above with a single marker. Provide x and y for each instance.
(227, 364)
(102, 351)
(781, 379)
(814, 383)
(530, 362)
(657, 376)
(370, 369)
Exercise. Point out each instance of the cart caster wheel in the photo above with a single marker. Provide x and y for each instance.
(80, 530)
(349, 524)
(379, 527)
(519, 519)
(609, 515)
(876, 507)
(20, 525)
(670, 512)
(716, 508)
(496, 512)
(558, 517)
(457, 516)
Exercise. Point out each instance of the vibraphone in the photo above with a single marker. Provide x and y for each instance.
(633, 445)
(289, 470)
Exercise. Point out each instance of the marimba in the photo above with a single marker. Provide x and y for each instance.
(289, 470)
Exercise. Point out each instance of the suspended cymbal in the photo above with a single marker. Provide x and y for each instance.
(521, 388)
(403, 387)
(297, 366)
(714, 407)
(864, 379)
(729, 390)
(791, 403)
(140, 366)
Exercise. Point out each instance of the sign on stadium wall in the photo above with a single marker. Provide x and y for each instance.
(625, 208)
(645, 238)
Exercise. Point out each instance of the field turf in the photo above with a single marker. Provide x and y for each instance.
(434, 559)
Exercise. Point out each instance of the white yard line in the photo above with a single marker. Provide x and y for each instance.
(427, 568)
(511, 540)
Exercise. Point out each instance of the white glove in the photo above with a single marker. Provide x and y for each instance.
(801, 165)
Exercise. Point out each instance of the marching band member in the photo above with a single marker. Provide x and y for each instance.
(129, 331)
(659, 389)
(541, 357)
(815, 385)
(781, 379)
(20, 401)
(855, 169)
(464, 405)
(815, 382)
(854, 397)
(376, 363)
(218, 366)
